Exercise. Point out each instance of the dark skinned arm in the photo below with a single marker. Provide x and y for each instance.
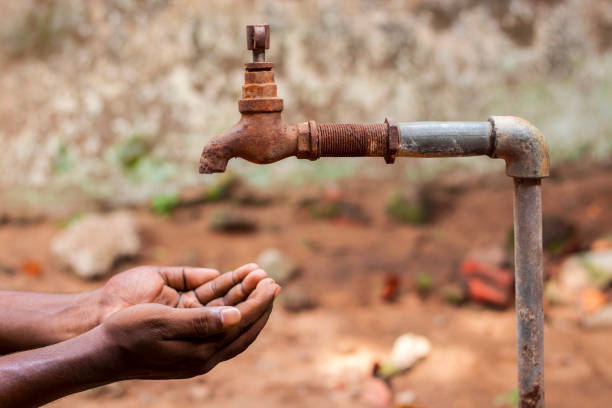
(147, 341)
(30, 320)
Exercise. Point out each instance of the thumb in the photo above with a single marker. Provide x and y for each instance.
(201, 322)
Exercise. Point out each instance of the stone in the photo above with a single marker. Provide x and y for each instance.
(277, 265)
(232, 222)
(91, 245)
(586, 270)
(488, 279)
(407, 350)
(294, 299)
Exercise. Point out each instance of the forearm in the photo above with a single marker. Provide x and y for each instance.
(29, 320)
(35, 377)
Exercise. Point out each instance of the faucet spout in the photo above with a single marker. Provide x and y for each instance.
(260, 138)
(219, 151)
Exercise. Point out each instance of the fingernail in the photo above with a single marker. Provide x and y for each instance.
(230, 316)
(277, 291)
(264, 282)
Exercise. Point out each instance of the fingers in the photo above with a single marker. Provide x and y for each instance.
(220, 286)
(255, 312)
(243, 341)
(198, 322)
(256, 305)
(185, 278)
(240, 291)
(189, 299)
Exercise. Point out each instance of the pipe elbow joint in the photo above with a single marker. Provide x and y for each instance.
(521, 145)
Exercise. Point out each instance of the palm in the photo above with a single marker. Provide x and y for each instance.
(181, 287)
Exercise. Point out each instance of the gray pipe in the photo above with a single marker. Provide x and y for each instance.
(445, 139)
(528, 272)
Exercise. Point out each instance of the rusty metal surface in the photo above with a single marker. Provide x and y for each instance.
(261, 135)
(260, 105)
(258, 40)
(353, 140)
(393, 140)
(521, 145)
(528, 272)
(444, 139)
(261, 138)
(258, 66)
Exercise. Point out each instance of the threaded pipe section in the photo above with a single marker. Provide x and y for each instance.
(353, 140)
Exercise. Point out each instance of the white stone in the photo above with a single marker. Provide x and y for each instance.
(90, 246)
(586, 270)
(408, 349)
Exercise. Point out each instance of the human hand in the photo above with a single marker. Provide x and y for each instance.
(177, 286)
(155, 341)
(148, 341)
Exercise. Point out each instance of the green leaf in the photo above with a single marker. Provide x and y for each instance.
(509, 399)
(165, 204)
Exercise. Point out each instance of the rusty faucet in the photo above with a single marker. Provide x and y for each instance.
(261, 136)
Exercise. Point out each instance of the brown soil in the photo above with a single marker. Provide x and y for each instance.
(319, 358)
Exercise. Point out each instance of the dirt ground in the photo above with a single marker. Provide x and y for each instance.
(320, 357)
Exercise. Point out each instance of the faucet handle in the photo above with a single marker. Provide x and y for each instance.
(258, 40)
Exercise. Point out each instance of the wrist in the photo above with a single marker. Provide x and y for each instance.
(94, 302)
(83, 362)
(105, 355)
(86, 311)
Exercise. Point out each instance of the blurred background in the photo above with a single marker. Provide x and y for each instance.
(105, 106)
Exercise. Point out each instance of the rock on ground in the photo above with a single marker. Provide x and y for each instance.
(277, 265)
(407, 350)
(587, 270)
(91, 246)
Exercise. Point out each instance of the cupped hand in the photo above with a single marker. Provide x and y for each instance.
(178, 286)
(155, 341)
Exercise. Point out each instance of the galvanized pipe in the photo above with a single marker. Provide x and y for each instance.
(528, 281)
(261, 136)
(512, 139)
(445, 139)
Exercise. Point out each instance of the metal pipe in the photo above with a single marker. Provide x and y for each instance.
(528, 282)
(261, 136)
(445, 139)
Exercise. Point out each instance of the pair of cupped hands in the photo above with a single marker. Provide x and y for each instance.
(178, 322)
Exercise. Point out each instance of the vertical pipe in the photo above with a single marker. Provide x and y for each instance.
(528, 272)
